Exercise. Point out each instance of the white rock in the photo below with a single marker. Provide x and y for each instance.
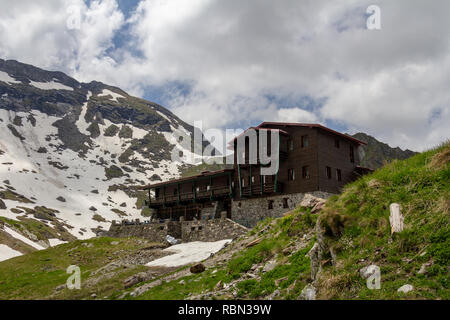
(368, 271)
(171, 240)
(308, 293)
(405, 288)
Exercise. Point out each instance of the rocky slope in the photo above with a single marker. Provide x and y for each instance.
(69, 152)
(377, 153)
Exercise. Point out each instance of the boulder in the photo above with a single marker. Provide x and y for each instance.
(318, 206)
(368, 271)
(405, 288)
(198, 268)
(2, 205)
(137, 278)
(254, 242)
(61, 199)
(309, 201)
(308, 293)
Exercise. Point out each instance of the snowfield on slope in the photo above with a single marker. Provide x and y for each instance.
(8, 253)
(187, 253)
(32, 174)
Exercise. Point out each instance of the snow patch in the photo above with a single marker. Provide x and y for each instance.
(7, 253)
(20, 237)
(50, 85)
(187, 253)
(55, 242)
(114, 95)
(6, 78)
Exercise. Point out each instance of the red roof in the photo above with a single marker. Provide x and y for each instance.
(310, 125)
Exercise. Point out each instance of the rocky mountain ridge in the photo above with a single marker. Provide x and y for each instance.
(70, 152)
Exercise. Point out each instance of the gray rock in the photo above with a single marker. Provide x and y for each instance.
(61, 199)
(137, 278)
(61, 287)
(2, 205)
(405, 288)
(269, 266)
(308, 293)
(368, 271)
(275, 294)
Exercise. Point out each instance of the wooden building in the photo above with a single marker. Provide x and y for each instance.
(311, 158)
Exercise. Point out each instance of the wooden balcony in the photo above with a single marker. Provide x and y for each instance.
(215, 192)
(256, 189)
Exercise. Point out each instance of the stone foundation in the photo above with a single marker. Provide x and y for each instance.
(186, 231)
(249, 212)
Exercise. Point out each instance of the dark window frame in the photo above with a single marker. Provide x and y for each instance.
(337, 143)
(305, 172)
(290, 145)
(328, 172)
(305, 141)
(352, 154)
(291, 174)
(338, 175)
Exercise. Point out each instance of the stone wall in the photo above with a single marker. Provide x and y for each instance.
(249, 212)
(211, 230)
(186, 231)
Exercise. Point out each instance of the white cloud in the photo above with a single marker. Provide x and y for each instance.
(241, 59)
(295, 115)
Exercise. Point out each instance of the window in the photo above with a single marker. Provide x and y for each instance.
(352, 154)
(208, 187)
(174, 192)
(197, 189)
(264, 179)
(305, 141)
(270, 204)
(337, 143)
(328, 172)
(291, 175)
(253, 179)
(305, 172)
(243, 182)
(290, 145)
(338, 175)
(285, 203)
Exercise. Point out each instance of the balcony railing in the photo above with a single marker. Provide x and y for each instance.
(190, 196)
(256, 189)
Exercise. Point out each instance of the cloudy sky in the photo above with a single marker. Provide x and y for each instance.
(235, 63)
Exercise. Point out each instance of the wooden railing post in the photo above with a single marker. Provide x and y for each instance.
(239, 180)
